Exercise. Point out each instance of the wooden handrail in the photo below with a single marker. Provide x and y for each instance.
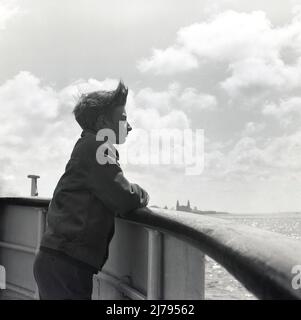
(260, 260)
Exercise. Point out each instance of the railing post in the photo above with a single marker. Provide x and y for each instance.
(203, 275)
(154, 272)
(41, 229)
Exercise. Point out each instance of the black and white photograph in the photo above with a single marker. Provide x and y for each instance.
(150, 150)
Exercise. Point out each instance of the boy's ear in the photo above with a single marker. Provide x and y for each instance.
(103, 122)
(99, 122)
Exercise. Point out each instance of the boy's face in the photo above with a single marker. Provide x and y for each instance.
(118, 123)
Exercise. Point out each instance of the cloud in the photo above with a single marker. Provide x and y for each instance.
(286, 111)
(230, 36)
(252, 128)
(193, 100)
(262, 75)
(250, 160)
(163, 101)
(168, 61)
(284, 152)
(185, 99)
(8, 10)
(253, 52)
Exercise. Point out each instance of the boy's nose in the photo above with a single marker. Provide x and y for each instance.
(129, 128)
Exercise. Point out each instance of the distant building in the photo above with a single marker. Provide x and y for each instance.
(186, 208)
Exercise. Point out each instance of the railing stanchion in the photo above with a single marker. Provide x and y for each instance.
(202, 275)
(154, 272)
(41, 230)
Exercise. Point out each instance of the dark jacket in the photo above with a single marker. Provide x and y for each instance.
(80, 218)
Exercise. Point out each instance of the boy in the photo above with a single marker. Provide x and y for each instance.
(91, 192)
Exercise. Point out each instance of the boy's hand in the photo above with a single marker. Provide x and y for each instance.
(144, 197)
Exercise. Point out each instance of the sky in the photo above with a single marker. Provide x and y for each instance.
(231, 68)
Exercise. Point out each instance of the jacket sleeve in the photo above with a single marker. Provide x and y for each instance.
(114, 190)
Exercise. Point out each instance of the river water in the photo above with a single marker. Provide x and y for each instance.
(220, 284)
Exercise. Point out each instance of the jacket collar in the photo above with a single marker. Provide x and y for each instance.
(87, 131)
(111, 149)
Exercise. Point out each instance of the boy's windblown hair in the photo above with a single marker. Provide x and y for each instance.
(93, 104)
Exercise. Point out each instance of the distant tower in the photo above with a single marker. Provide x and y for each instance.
(183, 208)
(188, 205)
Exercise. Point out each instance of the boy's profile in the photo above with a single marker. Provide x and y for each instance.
(88, 196)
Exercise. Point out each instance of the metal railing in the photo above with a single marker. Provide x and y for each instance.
(260, 260)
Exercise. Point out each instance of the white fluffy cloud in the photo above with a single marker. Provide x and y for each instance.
(175, 97)
(261, 74)
(8, 10)
(230, 36)
(286, 111)
(252, 128)
(191, 99)
(167, 61)
(252, 161)
(256, 53)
